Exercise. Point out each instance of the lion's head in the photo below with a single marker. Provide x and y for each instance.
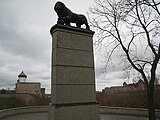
(59, 8)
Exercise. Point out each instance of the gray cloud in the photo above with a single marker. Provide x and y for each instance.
(25, 42)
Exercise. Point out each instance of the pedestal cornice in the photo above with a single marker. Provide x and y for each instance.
(71, 28)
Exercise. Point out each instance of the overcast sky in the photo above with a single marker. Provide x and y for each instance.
(25, 42)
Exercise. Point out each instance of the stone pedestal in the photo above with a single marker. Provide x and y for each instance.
(73, 95)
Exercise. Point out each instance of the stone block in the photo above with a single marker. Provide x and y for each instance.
(68, 57)
(85, 112)
(68, 29)
(72, 75)
(73, 95)
(72, 41)
(62, 94)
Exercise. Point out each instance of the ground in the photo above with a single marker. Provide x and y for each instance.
(44, 116)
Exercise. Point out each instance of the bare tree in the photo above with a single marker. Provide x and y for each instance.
(133, 26)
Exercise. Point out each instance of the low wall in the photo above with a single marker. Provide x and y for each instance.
(23, 98)
(23, 110)
(126, 111)
(103, 110)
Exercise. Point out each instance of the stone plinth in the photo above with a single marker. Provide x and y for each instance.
(73, 95)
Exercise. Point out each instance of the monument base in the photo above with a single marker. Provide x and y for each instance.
(73, 95)
(80, 112)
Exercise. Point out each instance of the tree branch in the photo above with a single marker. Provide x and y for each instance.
(145, 29)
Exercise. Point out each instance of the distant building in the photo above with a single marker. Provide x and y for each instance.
(28, 87)
(22, 77)
(43, 91)
(139, 86)
(128, 95)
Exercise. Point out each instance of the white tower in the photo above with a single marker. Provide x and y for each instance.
(22, 77)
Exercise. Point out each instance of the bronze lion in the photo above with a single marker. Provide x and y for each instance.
(66, 16)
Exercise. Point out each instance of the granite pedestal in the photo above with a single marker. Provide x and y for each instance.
(73, 95)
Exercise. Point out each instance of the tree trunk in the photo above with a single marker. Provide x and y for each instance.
(150, 100)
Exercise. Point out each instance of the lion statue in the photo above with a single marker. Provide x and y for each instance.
(66, 16)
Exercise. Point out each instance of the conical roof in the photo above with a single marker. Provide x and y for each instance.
(22, 75)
